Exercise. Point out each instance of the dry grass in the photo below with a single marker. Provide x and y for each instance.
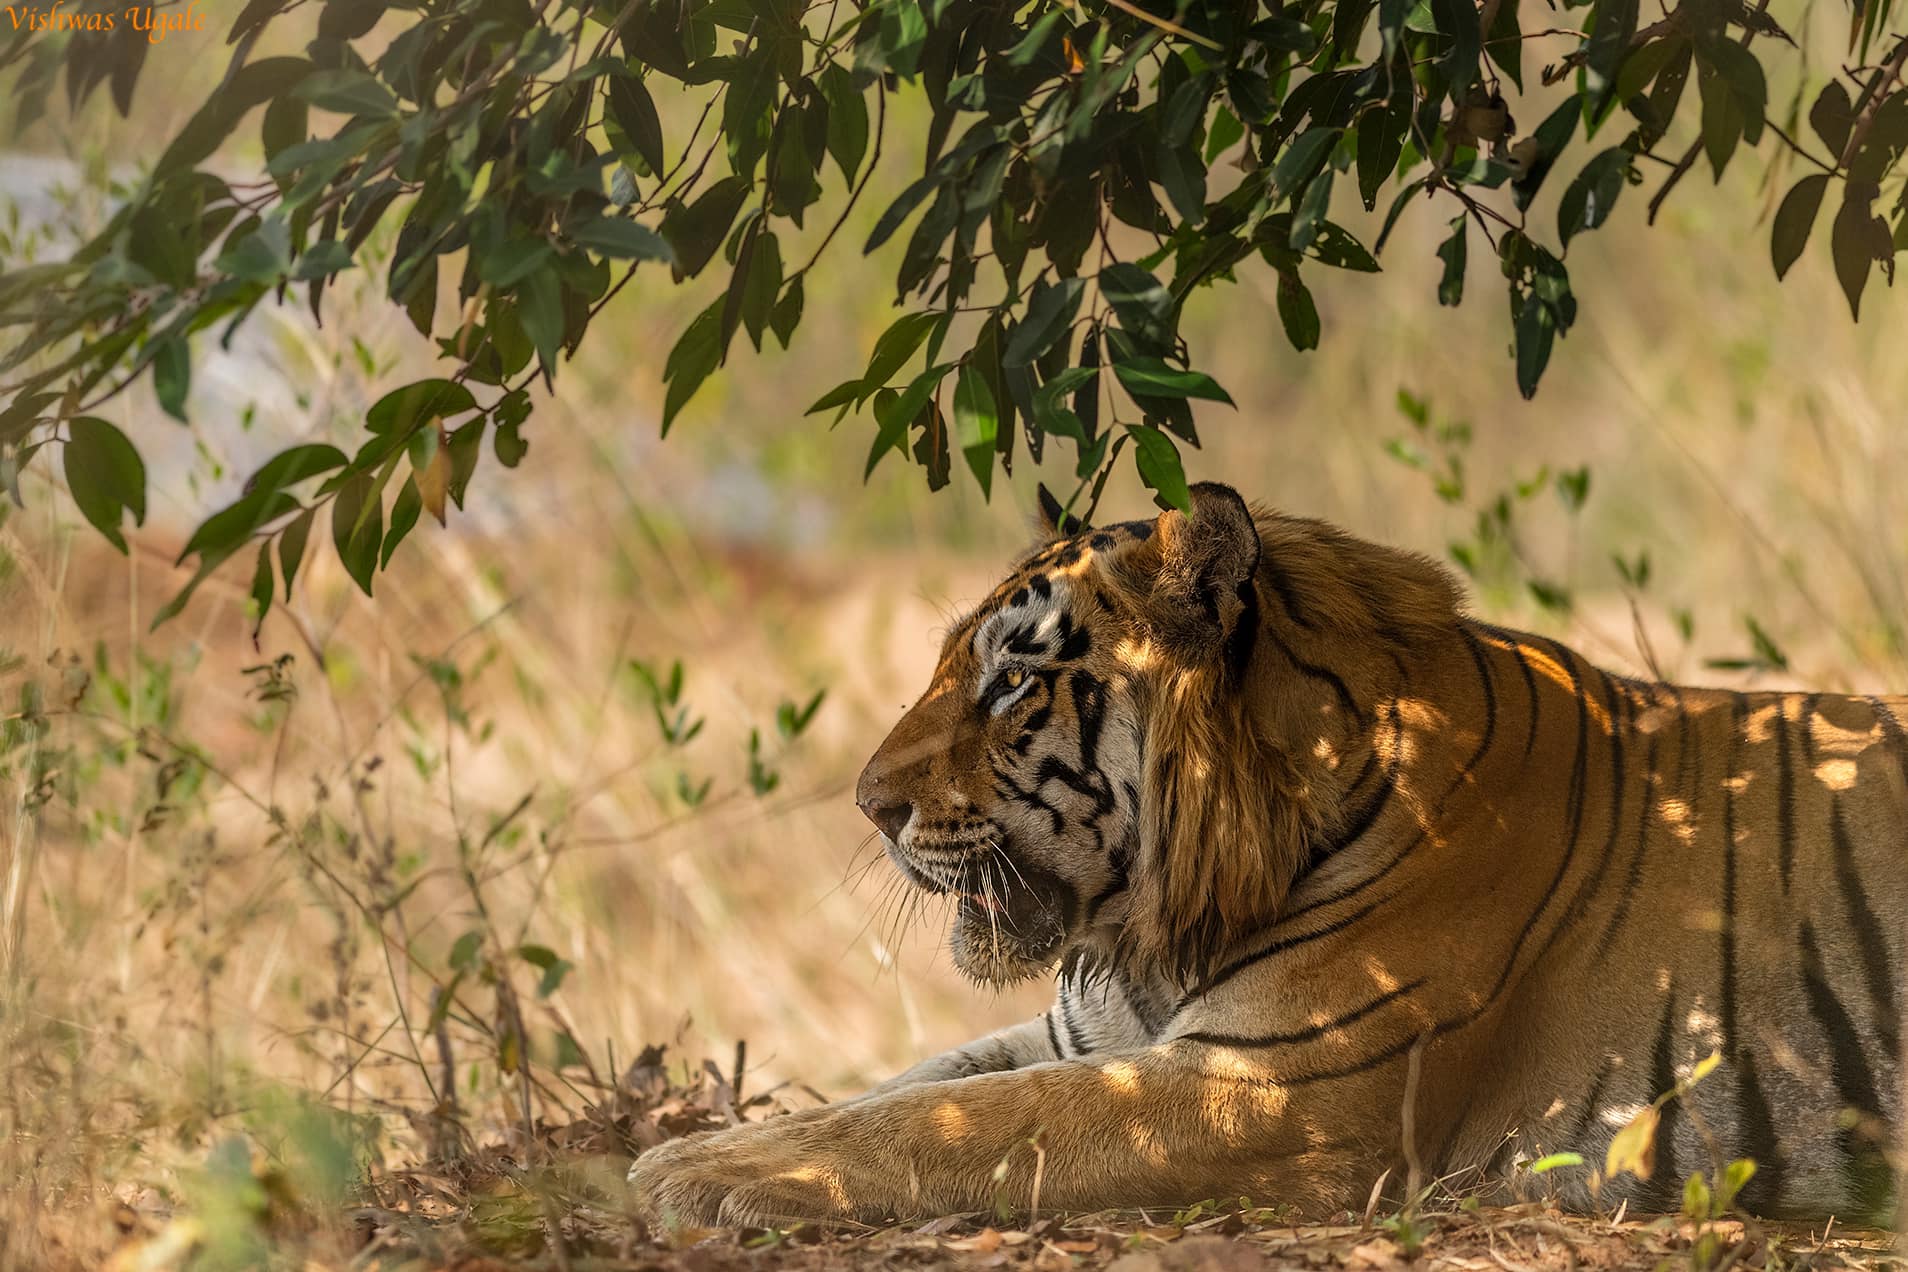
(227, 911)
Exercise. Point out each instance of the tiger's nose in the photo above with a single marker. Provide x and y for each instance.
(891, 819)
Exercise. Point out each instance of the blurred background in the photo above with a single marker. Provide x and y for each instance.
(238, 864)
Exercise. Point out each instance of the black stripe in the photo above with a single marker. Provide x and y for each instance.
(1785, 794)
(1053, 1039)
(1368, 812)
(1581, 1125)
(1315, 672)
(1307, 1034)
(1141, 1007)
(1665, 1189)
(1490, 700)
(1763, 1193)
(1866, 1172)
(1066, 1023)
(1277, 947)
(1287, 594)
(1616, 707)
(1854, 1082)
(1809, 704)
(1633, 884)
(1869, 937)
(1516, 650)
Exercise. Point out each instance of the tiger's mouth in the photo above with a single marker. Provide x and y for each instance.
(1011, 920)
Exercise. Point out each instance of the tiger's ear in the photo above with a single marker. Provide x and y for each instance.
(1204, 586)
(1054, 521)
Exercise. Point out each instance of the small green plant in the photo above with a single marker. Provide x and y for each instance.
(1409, 1227)
(1704, 1206)
(673, 718)
(762, 778)
(1492, 554)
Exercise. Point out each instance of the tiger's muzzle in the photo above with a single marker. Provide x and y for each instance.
(1011, 919)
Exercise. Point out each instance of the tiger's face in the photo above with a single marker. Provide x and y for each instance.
(1013, 784)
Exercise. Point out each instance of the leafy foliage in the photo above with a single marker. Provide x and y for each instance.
(1087, 169)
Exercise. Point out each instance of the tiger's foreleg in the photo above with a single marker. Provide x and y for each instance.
(1015, 1047)
(1162, 1126)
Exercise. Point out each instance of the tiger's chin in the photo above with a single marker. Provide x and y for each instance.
(1005, 941)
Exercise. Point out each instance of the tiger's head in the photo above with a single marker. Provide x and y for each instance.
(1106, 763)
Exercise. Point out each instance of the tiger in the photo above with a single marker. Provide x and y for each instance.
(1339, 885)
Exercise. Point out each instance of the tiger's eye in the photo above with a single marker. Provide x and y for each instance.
(1015, 678)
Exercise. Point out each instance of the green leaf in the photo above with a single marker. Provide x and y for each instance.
(896, 412)
(262, 256)
(697, 352)
(1734, 95)
(1833, 117)
(1736, 1176)
(464, 951)
(847, 119)
(895, 346)
(1603, 54)
(1297, 312)
(787, 314)
(105, 475)
(897, 212)
(1554, 1161)
(322, 260)
(1381, 138)
(540, 309)
(1453, 253)
(1504, 44)
(514, 260)
(1309, 212)
(633, 112)
(1588, 200)
(357, 528)
(1184, 178)
(1857, 239)
(623, 239)
(1050, 311)
(1334, 245)
(976, 424)
(404, 512)
(348, 92)
(1534, 333)
(1159, 467)
(261, 593)
(1301, 161)
(1154, 377)
(291, 466)
(1141, 302)
(754, 288)
(1795, 219)
(172, 375)
(401, 410)
(1573, 487)
(696, 231)
(291, 546)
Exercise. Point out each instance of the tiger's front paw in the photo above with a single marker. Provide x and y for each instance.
(778, 1173)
